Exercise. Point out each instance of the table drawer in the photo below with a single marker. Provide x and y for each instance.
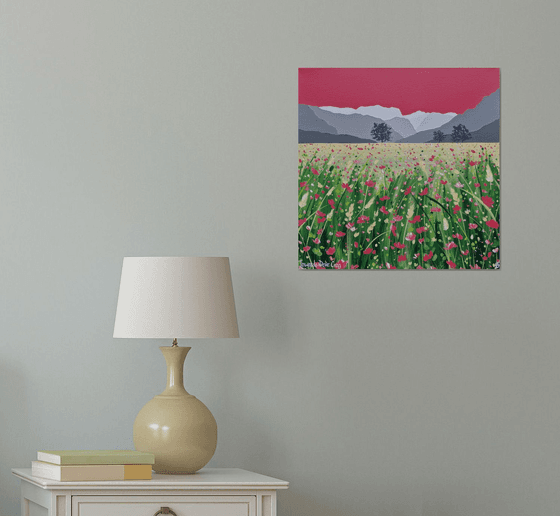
(141, 505)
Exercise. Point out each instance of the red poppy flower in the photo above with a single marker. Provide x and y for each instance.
(408, 190)
(402, 258)
(306, 248)
(492, 224)
(341, 264)
(331, 250)
(458, 236)
(384, 210)
(421, 229)
(398, 245)
(384, 198)
(362, 219)
(369, 250)
(451, 264)
(488, 201)
(415, 219)
(301, 222)
(397, 218)
(321, 214)
(371, 184)
(339, 234)
(314, 171)
(331, 203)
(321, 220)
(450, 246)
(443, 182)
(424, 192)
(456, 208)
(436, 209)
(428, 256)
(472, 226)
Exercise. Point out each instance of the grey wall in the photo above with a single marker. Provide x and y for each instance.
(169, 128)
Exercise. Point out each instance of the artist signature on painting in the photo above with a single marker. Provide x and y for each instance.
(316, 265)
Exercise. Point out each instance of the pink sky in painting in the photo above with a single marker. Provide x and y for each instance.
(440, 90)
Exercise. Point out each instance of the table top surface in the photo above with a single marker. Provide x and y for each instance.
(206, 478)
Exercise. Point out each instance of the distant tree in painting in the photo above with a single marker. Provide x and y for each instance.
(381, 132)
(439, 136)
(460, 133)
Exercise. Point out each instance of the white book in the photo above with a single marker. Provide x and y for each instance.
(95, 457)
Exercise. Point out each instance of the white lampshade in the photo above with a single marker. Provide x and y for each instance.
(179, 297)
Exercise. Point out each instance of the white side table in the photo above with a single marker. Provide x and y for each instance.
(209, 492)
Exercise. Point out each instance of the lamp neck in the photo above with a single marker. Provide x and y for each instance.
(175, 359)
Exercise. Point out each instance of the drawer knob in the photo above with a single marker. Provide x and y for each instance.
(165, 510)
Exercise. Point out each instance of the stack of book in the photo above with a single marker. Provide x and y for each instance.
(84, 465)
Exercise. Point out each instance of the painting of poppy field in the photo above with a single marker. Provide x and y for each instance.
(411, 206)
(422, 192)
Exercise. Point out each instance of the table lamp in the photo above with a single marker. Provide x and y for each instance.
(174, 298)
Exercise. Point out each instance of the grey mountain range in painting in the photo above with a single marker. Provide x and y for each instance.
(346, 125)
(419, 120)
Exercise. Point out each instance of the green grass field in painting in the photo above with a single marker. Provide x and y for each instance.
(399, 206)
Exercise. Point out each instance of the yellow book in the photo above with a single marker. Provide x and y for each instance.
(137, 471)
(91, 472)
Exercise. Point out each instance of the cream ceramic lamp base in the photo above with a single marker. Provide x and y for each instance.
(175, 426)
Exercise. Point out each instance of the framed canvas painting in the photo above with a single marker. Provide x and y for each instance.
(399, 168)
